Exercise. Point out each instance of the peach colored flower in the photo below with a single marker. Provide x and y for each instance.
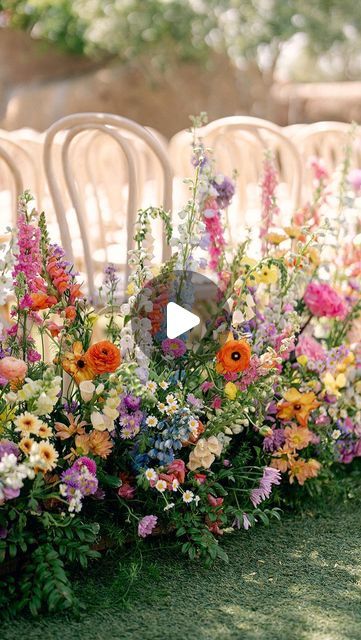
(13, 368)
(297, 437)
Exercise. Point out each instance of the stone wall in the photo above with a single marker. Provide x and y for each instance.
(39, 84)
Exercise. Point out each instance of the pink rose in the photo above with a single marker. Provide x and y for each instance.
(308, 346)
(13, 368)
(323, 300)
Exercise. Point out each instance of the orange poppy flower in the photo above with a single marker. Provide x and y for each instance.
(234, 356)
(103, 357)
(77, 364)
(298, 405)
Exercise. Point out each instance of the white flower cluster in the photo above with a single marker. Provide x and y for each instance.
(12, 476)
(41, 395)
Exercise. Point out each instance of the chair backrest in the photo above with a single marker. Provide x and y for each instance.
(325, 140)
(240, 142)
(11, 183)
(102, 152)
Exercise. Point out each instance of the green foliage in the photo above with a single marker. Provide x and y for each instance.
(172, 30)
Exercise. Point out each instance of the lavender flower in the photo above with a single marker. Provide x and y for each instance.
(146, 526)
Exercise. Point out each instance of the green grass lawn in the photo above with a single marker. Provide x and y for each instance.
(297, 580)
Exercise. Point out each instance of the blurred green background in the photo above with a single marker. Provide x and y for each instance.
(158, 60)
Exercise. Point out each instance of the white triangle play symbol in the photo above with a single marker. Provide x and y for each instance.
(179, 320)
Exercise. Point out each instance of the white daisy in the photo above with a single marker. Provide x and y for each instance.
(164, 385)
(151, 386)
(193, 425)
(150, 474)
(188, 496)
(161, 407)
(161, 485)
(151, 421)
(175, 484)
(170, 398)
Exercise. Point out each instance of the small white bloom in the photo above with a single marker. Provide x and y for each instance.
(193, 425)
(164, 385)
(188, 496)
(336, 434)
(175, 484)
(151, 421)
(151, 474)
(86, 389)
(161, 485)
(151, 386)
(168, 506)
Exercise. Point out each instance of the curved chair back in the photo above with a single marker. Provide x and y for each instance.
(89, 164)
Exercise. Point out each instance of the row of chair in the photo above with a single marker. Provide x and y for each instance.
(91, 172)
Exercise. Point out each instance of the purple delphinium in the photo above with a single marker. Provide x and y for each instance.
(146, 526)
(225, 191)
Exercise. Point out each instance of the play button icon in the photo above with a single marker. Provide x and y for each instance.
(182, 305)
(179, 320)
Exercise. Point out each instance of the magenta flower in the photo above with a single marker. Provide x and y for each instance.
(323, 300)
(174, 347)
(146, 526)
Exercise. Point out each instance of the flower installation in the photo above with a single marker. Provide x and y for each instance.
(104, 443)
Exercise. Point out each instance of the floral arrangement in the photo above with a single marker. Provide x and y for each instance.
(102, 442)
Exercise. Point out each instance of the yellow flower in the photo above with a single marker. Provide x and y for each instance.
(333, 385)
(294, 232)
(267, 275)
(48, 455)
(275, 238)
(297, 405)
(44, 431)
(131, 289)
(28, 424)
(302, 360)
(346, 362)
(230, 390)
(25, 445)
(76, 363)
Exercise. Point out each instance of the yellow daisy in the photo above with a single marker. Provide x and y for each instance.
(27, 424)
(49, 456)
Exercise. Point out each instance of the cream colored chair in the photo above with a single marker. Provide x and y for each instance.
(103, 153)
(11, 183)
(239, 143)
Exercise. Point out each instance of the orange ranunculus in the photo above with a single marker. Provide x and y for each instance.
(234, 356)
(103, 357)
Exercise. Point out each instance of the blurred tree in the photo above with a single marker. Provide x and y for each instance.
(250, 32)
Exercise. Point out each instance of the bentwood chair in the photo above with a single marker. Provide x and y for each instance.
(103, 156)
(11, 183)
(240, 143)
